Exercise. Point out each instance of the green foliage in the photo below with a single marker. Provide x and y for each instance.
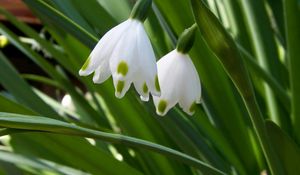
(246, 54)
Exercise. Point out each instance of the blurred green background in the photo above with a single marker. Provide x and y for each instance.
(53, 121)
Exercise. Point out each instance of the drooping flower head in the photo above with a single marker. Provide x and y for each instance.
(125, 52)
(178, 78)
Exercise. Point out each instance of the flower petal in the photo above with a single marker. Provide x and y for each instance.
(121, 86)
(141, 87)
(170, 77)
(124, 58)
(191, 89)
(102, 73)
(103, 49)
(147, 61)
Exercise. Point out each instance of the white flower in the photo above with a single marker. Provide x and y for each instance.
(179, 83)
(125, 52)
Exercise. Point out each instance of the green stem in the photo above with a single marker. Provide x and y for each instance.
(141, 9)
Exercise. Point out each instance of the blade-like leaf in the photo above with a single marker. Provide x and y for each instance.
(96, 15)
(285, 147)
(265, 48)
(89, 112)
(67, 8)
(226, 50)
(64, 22)
(291, 8)
(36, 123)
(43, 165)
(12, 81)
(7, 105)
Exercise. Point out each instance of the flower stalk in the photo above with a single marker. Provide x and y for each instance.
(186, 39)
(141, 9)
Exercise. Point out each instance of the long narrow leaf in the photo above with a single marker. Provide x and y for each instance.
(54, 126)
(12, 81)
(43, 165)
(226, 50)
(291, 8)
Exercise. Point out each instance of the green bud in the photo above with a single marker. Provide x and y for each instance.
(186, 39)
(140, 10)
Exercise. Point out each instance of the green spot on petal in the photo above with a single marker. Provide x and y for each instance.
(192, 107)
(145, 88)
(122, 68)
(120, 86)
(162, 105)
(86, 64)
(157, 87)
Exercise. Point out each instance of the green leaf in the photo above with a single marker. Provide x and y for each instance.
(35, 123)
(226, 50)
(12, 81)
(30, 32)
(45, 166)
(119, 10)
(67, 8)
(96, 15)
(62, 149)
(89, 112)
(265, 49)
(64, 22)
(287, 150)
(7, 105)
(267, 77)
(291, 9)
(41, 79)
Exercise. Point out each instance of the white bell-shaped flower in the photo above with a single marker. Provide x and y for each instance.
(125, 52)
(179, 83)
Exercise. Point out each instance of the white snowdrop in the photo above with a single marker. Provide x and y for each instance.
(179, 83)
(125, 52)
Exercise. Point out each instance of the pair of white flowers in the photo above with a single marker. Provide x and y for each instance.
(125, 52)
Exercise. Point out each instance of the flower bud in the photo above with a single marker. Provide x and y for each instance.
(186, 39)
